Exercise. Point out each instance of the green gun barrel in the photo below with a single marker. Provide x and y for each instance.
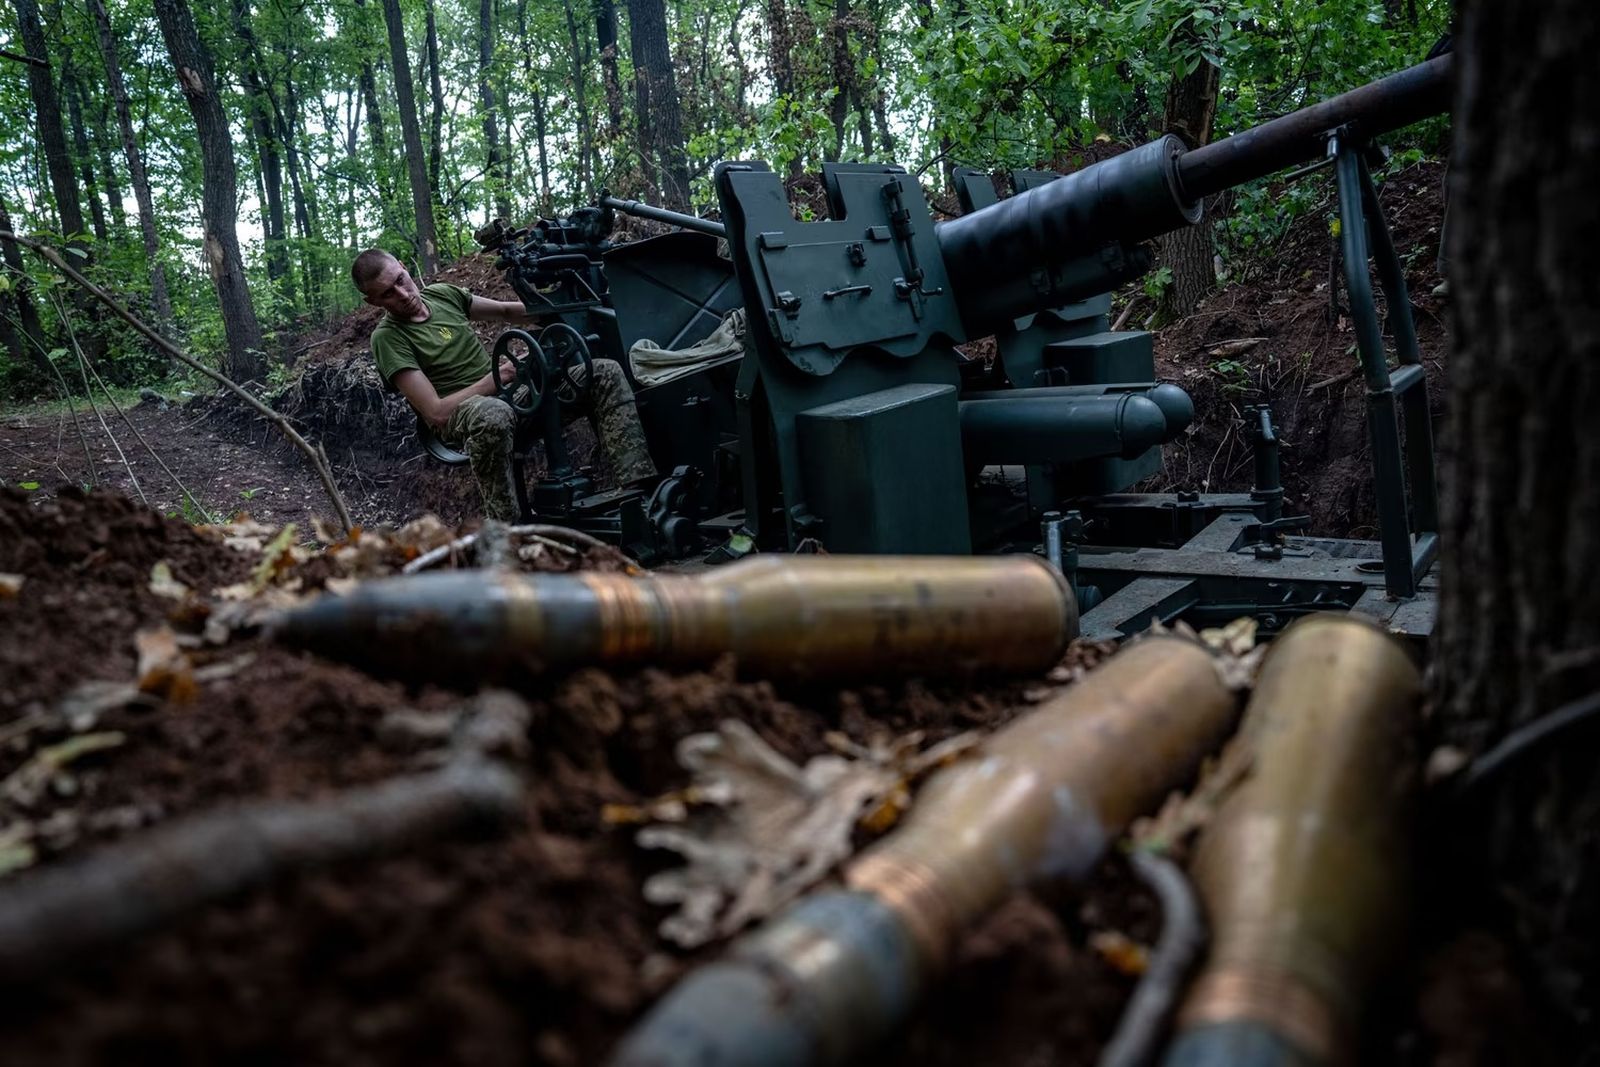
(786, 616)
(1041, 800)
(1303, 869)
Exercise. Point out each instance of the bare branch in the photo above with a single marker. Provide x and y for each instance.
(5, 54)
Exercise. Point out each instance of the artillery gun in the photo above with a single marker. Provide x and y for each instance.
(853, 419)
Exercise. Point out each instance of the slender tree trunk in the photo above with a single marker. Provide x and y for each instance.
(108, 169)
(494, 170)
(1191, 112)
(159, 299)
(1519, 622)
(843, 73)
(436, 120)
(580, 97)
(269, 163)
(308, 223)
(421, 202)
(605, 32)
(540, 120)
(80, 144)
(29, 344)
(52, 138)
(656, 94)
(191, 60)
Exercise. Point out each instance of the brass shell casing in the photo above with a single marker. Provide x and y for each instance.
(1047, 794)
(1303, 869)
(795, 616)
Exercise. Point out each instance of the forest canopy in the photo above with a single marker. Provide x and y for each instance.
(217, 165)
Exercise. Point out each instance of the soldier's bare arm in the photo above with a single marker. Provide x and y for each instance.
(483, 309)
(435, 409)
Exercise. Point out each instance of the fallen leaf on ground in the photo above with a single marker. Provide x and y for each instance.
(164, 669)
(765, 829)
(1185, 814)
(163, 584)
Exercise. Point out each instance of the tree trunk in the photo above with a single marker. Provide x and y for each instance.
(47, 111)
(494, 172)
(270, 164)
(1188, 253)
(843, 73)
(108, 169)
(1519, 623)
(579, 79)
(80, 144)
(191, 60)
(421, 202)
(288, 124)
(30, 343)
(436, 95)
(161, 302)
(540, 120)
(656, 96)
(369, 97)
(605, 33)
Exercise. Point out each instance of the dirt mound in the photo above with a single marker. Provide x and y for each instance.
(1281, 335)
(535, 946)
(85, 561)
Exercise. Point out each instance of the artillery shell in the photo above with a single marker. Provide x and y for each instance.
(1303, 870)
(794, 616)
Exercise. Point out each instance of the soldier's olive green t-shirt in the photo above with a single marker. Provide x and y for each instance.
(444, 348)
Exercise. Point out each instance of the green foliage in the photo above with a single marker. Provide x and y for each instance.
(1156, 282)
(996, 83)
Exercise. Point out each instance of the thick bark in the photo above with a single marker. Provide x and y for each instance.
(494, 171)
(656, 95)
(244, 359)
(1191, 112)
(29, 343)
(421, 202)
(605, 34)
(161, 302)
(270, 164)
(1519, 626)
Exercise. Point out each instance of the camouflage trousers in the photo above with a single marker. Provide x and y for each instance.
(484, 427)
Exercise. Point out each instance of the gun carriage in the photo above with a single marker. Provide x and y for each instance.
(852, 419)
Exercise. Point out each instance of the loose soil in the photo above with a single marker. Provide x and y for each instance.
(534, 947)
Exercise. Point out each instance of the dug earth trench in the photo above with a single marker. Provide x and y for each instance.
(532, 946)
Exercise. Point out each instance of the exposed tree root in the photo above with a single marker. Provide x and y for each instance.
(153, 879)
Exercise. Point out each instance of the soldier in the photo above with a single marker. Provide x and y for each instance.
(425, 349)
